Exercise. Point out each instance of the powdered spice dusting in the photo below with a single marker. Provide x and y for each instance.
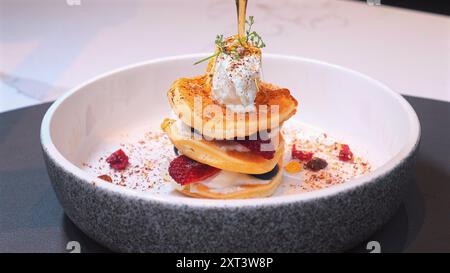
(150, 154)
(149, 157)
(314, 141)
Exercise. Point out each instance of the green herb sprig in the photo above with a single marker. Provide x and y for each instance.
(251, 36)
(220, 43)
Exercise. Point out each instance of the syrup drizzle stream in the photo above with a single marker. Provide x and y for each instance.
(241, 6)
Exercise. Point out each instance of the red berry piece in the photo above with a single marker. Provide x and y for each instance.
(185, 170)
(345, 154)
(255, 146)
(301, 155)
(118, 160)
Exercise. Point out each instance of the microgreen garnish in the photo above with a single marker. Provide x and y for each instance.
(220, 48)
(234, 54)
(251, 37)
(219, 41)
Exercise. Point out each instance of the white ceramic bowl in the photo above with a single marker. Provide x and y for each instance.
(347, 104)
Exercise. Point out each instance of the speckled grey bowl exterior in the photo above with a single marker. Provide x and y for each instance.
(331, 224)
(327, 220)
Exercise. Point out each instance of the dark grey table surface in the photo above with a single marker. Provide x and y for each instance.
(32, 220)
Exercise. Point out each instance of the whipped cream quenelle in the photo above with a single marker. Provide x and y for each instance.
(234, 82)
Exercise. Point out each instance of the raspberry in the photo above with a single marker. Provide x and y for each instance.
(255, 146)
(345, 154)
(301, 155)
(185, 170)
(118, 160)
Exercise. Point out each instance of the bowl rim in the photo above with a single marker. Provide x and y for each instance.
(407, 150)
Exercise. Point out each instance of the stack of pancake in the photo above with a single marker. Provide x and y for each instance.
(231, 155)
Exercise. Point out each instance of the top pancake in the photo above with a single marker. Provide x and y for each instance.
(190, 99)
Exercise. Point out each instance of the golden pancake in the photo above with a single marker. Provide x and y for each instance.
(245, 191)
(190, 99)
(216, 154)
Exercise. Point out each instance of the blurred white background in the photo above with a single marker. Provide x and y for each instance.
(49, 46)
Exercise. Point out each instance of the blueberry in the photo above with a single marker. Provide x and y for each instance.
(267, 175)
(316, 164)
(195, 132)
(175, 150)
